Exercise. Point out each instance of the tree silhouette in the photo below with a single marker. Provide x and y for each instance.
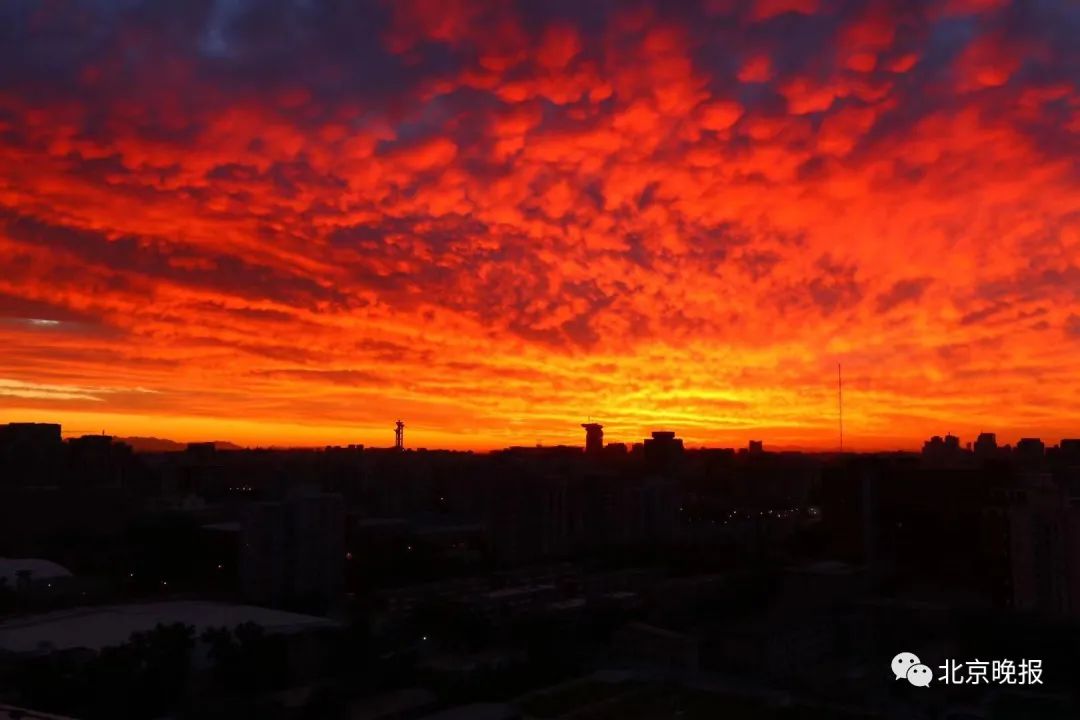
(246, 660)
(145, 677)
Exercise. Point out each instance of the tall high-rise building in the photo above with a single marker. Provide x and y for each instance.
(1038, 545)
(986, 446)
(594, 438)
(98, 461)
(1069, 449)
(292, 551)
(30, 454)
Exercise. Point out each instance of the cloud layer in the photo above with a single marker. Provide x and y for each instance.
(296, 221)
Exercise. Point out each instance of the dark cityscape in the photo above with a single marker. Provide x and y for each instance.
(597, 581)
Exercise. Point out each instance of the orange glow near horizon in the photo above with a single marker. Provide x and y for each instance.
(495, 221)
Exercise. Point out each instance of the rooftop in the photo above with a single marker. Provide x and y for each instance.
(39, 569)
(95, 628)
(12, 713)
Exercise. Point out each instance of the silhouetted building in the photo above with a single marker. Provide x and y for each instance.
(921, 525)
(943, 452)
(594, 438)
(986, 447)
(98, 461)
(1030, 451)
(1069, 450)
(756, 447)
(198, 471)
(532, 515)
(662, 451)
(27, 435)
(615, 450)
(22, 574)
(292, 552)
(30, 454)
(1037, 546)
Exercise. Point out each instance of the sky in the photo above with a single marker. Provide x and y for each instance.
(294, 222)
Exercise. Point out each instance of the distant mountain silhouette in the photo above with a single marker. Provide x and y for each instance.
(153, 444)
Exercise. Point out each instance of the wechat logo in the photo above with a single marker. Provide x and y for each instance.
(907, 666)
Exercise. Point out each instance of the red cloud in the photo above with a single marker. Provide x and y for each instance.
(986, 63)
(460, 222)
(558, 46)
(756, 69)
(765, 9)
(965, 7)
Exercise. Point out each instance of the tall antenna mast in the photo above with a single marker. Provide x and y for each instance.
(840, 404)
